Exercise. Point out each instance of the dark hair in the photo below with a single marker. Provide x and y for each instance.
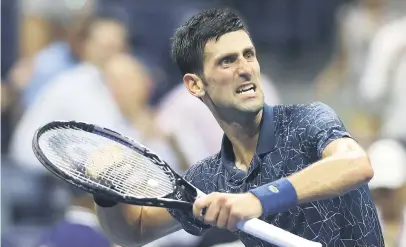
(190, 39)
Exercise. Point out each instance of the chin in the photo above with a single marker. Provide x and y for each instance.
(252, 107)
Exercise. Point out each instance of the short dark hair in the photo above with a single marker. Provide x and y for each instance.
(190, 39)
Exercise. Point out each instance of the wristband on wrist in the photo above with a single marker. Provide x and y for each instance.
(276, 197)
(103, 202)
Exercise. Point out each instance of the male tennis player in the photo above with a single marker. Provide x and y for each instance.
(294, 166)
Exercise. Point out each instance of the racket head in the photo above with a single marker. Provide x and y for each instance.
(83, 181)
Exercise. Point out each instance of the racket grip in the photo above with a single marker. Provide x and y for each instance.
(273, 234)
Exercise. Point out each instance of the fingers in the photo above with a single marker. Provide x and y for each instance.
(218, 208)
(224, 214)
(202, 202)
(217, 212)
(212, 213)
(232, 221)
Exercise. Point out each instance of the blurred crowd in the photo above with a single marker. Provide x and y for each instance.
(108, 63)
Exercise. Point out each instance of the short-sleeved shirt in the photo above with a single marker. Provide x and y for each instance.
(291, 138)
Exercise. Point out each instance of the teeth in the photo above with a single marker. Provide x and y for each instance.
(249, 91)
(246, 88)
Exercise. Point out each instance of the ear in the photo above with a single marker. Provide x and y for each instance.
(194, 85)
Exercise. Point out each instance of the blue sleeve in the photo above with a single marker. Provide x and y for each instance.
(318, 126)
(189, 223)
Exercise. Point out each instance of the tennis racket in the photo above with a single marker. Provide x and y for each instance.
(101, 161)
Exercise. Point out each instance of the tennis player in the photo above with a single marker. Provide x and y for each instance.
(294, 166)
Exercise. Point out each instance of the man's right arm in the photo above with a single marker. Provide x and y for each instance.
(128, 225)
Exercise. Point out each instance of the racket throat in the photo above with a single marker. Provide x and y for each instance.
(188, 190)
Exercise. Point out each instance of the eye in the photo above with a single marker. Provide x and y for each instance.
(249, 55)
(226, 62)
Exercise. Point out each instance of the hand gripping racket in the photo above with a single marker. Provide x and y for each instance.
(99, 160)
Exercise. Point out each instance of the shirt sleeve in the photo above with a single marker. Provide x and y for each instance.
(318, 126)
(189, 223)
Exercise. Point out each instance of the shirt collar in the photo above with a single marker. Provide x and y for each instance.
(266, 139)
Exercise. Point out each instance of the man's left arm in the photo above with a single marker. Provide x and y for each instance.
(344, 167)
(341, 163)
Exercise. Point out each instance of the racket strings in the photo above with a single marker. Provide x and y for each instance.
(103, 162)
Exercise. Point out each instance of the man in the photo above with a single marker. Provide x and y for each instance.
(293, 166)
(84, 83)
(78, 93)
(384, 78)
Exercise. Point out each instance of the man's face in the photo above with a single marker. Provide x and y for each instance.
(128, 81)
(232, 73)
(106, 39)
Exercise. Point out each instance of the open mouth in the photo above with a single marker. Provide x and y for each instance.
(245, 89)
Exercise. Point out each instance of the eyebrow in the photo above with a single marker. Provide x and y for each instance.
(222, 56)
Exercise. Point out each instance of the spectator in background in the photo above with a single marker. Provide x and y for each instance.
(358, 23)
(337, 85)
(388, 188)
(131, 87)
(40, 20)
(383, 84)
(77, 94)
(108, 88)
(79, 227)
(50, 41)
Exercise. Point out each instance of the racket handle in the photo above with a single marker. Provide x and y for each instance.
(273, 234)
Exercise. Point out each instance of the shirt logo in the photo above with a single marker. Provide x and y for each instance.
(273, 189)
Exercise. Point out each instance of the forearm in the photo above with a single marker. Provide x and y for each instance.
(128, 225)
(327, 178)
(118, 227)
(331, 177)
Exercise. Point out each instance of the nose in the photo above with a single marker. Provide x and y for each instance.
(244, 70)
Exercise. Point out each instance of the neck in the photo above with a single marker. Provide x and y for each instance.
(243, 134)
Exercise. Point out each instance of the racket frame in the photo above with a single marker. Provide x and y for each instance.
(179, 184)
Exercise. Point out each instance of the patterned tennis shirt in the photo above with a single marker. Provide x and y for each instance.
(291, 138)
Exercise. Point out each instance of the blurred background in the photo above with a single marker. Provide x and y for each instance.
(107, 62)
